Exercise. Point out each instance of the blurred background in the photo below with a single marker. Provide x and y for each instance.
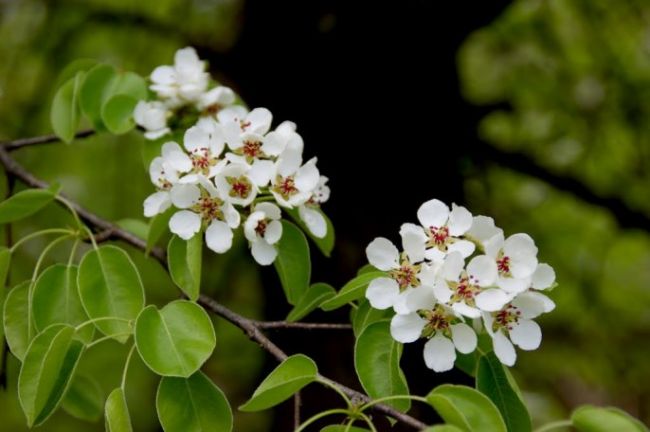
(532, 111)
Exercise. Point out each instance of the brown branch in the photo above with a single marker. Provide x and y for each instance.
(45, 139)
(297, 401)
(252, 328)
(299, 325)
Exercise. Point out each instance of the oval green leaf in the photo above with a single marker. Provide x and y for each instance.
(293, 263)
(184, 260)
(492, 381)
(157, 227)
(353, 290)
(289, 377)
(49, 365)
(117, 113)
(16, 319)
(589, 418)
(25, 203)
(110, 286)
(84, 399)
(311, 299)
(176, 340)
(324, 244)
(466, 408)
(193, 404)
(116, 413)
(65, 113)
(342, 428)
(55, 300)
(376, 360)
(442, 428)
(365, 315)
(93, 92)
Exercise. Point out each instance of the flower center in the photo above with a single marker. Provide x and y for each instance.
(240, 187)
(503, 264)
(506, 317)
(251, 150)
(243, 124)
(202, 160)
(406, 275)
(209, 208)
(438, 319)
(285, 186)
(260, 229)
(464, 290)
(438, 237)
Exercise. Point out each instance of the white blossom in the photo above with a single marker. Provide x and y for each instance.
(263, 230)
(185, 81)
(152, 116)
(516, 259)
(444, 229)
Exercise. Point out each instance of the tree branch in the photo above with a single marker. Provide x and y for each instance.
(301, 325)
(252, 328)
(44, 139)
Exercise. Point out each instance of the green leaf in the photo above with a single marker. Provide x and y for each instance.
(442, 428)
(116, 412)
(492, 381)
(117, 113)
(94, 90)
(325, 244)
(353, 290)
(84, 399)
(193, 404)
(367, 268)
(376, 360)
(366, 315)
(311, 299)
(130, 84)
(55, 300)
(157, 227)
(589, 418)
(137, 227)
(65, 113)
(49, 365)
(293, 263)
(466, 408)
(16, 319)
(184, 259)
(342, 428)
(5, 260)
(176, 340)
(71, 69)
(288, 378)
(110, 286)
(25, 203)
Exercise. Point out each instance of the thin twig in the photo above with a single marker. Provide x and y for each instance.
(44, 139)
(252, 328)
(299, 325)
(296, 410)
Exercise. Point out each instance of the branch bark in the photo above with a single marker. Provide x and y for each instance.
(252, 328)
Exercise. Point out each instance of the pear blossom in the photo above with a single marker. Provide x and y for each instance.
(445, 331)
(204, 144)
(244, 130)
(216, 99)
(444, 228)
(185, 81)
(263, 230)
(516, 259)
(235, 183)
(152, 116)
(292, 183)
(309, 212)
(164, 172)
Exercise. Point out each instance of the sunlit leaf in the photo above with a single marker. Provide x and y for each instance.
(116, 412)
(65, 113)
(84, 399)
(25, 203)
(353, 290)
(293, 263)
(184, 261)
(466, 408)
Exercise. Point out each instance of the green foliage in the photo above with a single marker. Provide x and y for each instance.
(376, 360)
(310, 300)
(65, 114)
(110, 286)
(341, 428)
(193, 404)
(466, 408)
(84, 399)
(289, 377)
(26, 203)
(353, 290)
(116, 412)
(176, 340)
(117, 113)
(16, 319)
(595, 419)
(184, 261)
(366, 315)
(47, 370)
(492, 381)
(325, 244)
(293, 263)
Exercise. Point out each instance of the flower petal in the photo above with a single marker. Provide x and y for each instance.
(452, 266)
(543, 277)
(273, 232)
(307, 176)
(185, 224)
(433, 213)
(270, 210)
(483, 269)
(492, 300)
(413, 241)
(464, 247)
(261, 172)
(503, 349)
(251, 224)
(526, 334)
(382, 292)
(184, 195)
(407, 328)
(439, 353)
(441, 291)
(218, 236)
(260, 121)
(463, 337)
(513, 285)
(532, 304)
(263, 252)
(483, 228)
(382, 254)
(463, 309)
(156, 203)
(421, 297)
(314, 220)
(460, 220)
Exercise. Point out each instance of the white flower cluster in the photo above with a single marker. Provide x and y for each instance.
(456, 268)
(230, 167)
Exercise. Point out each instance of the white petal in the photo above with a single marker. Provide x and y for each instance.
(307, 176)
(464, 338)
(273, 232)
(532, 304)
(464, 247)
(483, 228)
(428, 273)
(263, 252)
(288, 163)
(463, 309)
(433, 213)
(156, 203)
(218, 236)
(184, 195)
(185, 224)
(314, 220)
(523, 255)
(513, 285)
(260, 119)
(233, 218)
(452, 267)
(413, 241)
(261, 172)
(439, 353)
(251, 224)
(483, 269)
(544, 277)
(407, 328)
(492, 300)
(441, 291)
(526, 335)
(196, 138)
(460, 220)
(163, 75)
(382, 292)
(221, 95)
(399, 306)
(382, 254)
(270, 210)
(503, 349)
(494, 245)
(421, 297)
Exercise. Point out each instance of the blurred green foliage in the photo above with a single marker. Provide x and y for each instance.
(567, 83)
